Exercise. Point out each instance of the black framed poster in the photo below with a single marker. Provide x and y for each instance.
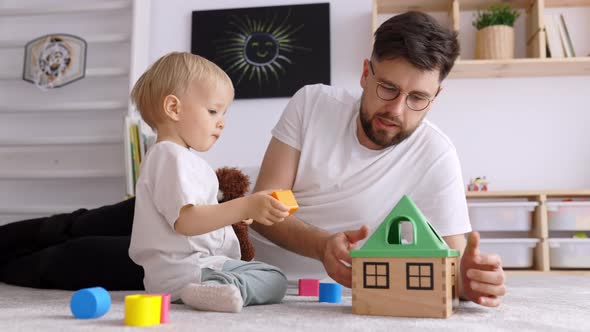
(267, 51)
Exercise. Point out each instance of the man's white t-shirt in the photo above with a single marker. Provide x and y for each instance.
(171, 177)
(341, 185)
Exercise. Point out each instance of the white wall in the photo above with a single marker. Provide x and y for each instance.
(521, 133)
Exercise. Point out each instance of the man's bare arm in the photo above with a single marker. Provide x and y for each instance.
(278, 170)
(456, 242)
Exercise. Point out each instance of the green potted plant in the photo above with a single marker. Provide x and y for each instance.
(495, 32)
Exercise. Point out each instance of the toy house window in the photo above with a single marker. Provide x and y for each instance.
(419, 276)
(401, 231)
(407, 229)
(376, 275)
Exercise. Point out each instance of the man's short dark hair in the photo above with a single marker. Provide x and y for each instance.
(419, 39)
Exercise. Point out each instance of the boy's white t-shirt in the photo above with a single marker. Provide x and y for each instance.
(171, 177)
(341, 185)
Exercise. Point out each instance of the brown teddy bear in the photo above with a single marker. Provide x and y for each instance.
(233, 183)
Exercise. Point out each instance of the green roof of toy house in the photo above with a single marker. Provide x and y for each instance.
(386, 240)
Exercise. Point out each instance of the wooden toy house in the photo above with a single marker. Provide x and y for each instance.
(416, 279)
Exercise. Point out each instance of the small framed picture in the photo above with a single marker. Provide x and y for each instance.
(52, 61)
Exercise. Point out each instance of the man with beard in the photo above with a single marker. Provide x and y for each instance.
(349, 161)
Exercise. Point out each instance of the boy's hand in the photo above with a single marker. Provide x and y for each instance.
(482, 275)
(247, 221)
(265, 209)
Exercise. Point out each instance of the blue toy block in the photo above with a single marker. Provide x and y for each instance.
(90, 302)
(330, 292)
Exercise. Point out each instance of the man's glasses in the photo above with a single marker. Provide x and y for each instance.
(387, 92)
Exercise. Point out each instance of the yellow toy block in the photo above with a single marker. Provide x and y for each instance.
(286, 197)
(142, 310)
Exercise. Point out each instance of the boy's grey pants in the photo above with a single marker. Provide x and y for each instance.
(258, 282)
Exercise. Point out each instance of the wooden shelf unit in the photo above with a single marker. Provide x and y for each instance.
(536, 62)
(540, 227)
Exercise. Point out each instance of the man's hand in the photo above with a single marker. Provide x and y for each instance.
(482, 275)
(337, 250)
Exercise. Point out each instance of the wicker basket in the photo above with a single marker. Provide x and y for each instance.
(495, 42)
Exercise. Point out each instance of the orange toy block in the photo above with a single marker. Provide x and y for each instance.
(286, 197)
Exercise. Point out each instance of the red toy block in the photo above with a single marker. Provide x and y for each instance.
(309, 287)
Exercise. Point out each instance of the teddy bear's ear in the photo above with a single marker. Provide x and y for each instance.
(232, 182)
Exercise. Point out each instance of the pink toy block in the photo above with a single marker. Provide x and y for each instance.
(309, 287)
(165, 308)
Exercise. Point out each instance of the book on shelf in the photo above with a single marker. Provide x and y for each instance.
(566, 38)
(135, 141)
(559, 43)
(552, 34)
(135, 154)
(130, 187)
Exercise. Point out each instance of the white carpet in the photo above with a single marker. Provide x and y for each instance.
(536, 302)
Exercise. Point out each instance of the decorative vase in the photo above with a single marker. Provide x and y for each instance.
(495, 42)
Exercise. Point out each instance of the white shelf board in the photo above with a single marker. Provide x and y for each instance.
(66, 107)
(61, 140)
(90, 173)
(106, 71)
(67, 8)
(92, 39)
(90, 72)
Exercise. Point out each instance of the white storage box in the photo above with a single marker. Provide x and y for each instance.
(501, 216)
(569, 253)
(514, 252)
(568, 216)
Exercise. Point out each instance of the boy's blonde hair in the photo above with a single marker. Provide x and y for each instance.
(172, 74)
